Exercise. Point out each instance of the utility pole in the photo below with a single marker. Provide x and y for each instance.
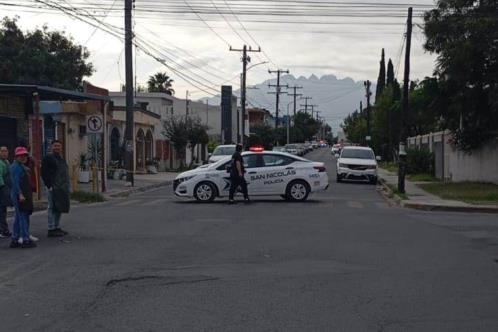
(207, 112)
(406, 105)
(278, 91)
(187, 104)
(361, 107)
(129, 93)
(313, 110)
(245, 60)
(306, 104)
(368, 85)
(295, 95)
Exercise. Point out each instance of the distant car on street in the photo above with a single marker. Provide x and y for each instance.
(220, 152)
(279, 149)
(336, 149)
(267, 173)
(292, 149)
(357, 163)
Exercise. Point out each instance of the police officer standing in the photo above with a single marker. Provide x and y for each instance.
(237, 172)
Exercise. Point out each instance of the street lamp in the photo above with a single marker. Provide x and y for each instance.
(257, 64)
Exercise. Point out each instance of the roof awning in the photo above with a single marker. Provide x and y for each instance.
(49, 93)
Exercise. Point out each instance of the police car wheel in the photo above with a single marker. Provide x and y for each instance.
(204, 192)
(298, 191)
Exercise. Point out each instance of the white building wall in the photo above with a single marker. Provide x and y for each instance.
(208, 114)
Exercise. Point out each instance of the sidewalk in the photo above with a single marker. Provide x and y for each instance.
(422, 200)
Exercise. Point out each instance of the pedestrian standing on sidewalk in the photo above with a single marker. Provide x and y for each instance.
(33, 176)
(237, 179)
(5, 186)
(22, 198)
(55, 174)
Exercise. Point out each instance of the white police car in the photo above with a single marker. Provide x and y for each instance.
(268, 173)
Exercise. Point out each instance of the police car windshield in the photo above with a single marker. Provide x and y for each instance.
(224, 151)
(357, 154)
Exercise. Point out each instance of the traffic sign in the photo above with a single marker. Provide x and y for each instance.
(95, 124)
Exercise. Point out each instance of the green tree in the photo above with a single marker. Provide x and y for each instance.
(41, 57)
(161, 82)
(263, 134)
(381, 80)
(196, 134)
(175, 129)
(355, 127)
(463, 34)
(305, 127)
(390, 73)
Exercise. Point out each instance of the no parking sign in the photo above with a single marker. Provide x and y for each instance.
(95, 124)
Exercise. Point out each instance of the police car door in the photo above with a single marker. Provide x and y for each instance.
(278, 172)
(254, 173)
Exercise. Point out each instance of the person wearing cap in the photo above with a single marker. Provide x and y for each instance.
(237, 179)
(5, 185)
(55, 174)
(22, 199)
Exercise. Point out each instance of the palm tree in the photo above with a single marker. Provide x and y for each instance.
(160, 82)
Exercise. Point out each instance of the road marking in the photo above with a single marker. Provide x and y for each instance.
(355, 205)
(126, 203)
(156, 202)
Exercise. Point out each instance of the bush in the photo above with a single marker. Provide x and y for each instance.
(419, 161)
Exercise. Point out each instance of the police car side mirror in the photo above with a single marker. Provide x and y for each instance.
(336, 155)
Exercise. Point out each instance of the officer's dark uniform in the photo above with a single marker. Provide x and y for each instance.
(235, 179)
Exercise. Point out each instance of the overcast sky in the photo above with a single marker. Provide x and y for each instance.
(349, 49)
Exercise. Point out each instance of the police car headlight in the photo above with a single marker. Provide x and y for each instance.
(343, 165)
(185, 179)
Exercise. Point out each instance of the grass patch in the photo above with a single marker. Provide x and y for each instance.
(469, 192)
(396, 192)
(422, 178)
(389, 166)
(86, 197)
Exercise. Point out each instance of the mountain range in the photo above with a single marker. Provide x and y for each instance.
(335, 98)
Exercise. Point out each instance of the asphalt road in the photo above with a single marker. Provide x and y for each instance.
(344, 261)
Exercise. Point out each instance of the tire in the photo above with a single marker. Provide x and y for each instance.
(298, 191)
(373, 181)
(205, 192)
(338, 178)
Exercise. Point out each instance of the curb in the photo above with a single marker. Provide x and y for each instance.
(132, 190)
(389, 195)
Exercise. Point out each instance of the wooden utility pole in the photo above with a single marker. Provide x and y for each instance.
(129, 93)
(306, 104)
(295, 95)
(405, 110)
(245, 60)
(278, 91)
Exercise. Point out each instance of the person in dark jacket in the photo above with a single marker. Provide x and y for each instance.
(55, 175)
(5, 185)
(22, 199)
(237, 179)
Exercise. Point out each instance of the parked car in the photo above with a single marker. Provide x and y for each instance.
(292, 149)
(220, 152)
(279, 149)
(268, 173)
(357, 163)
